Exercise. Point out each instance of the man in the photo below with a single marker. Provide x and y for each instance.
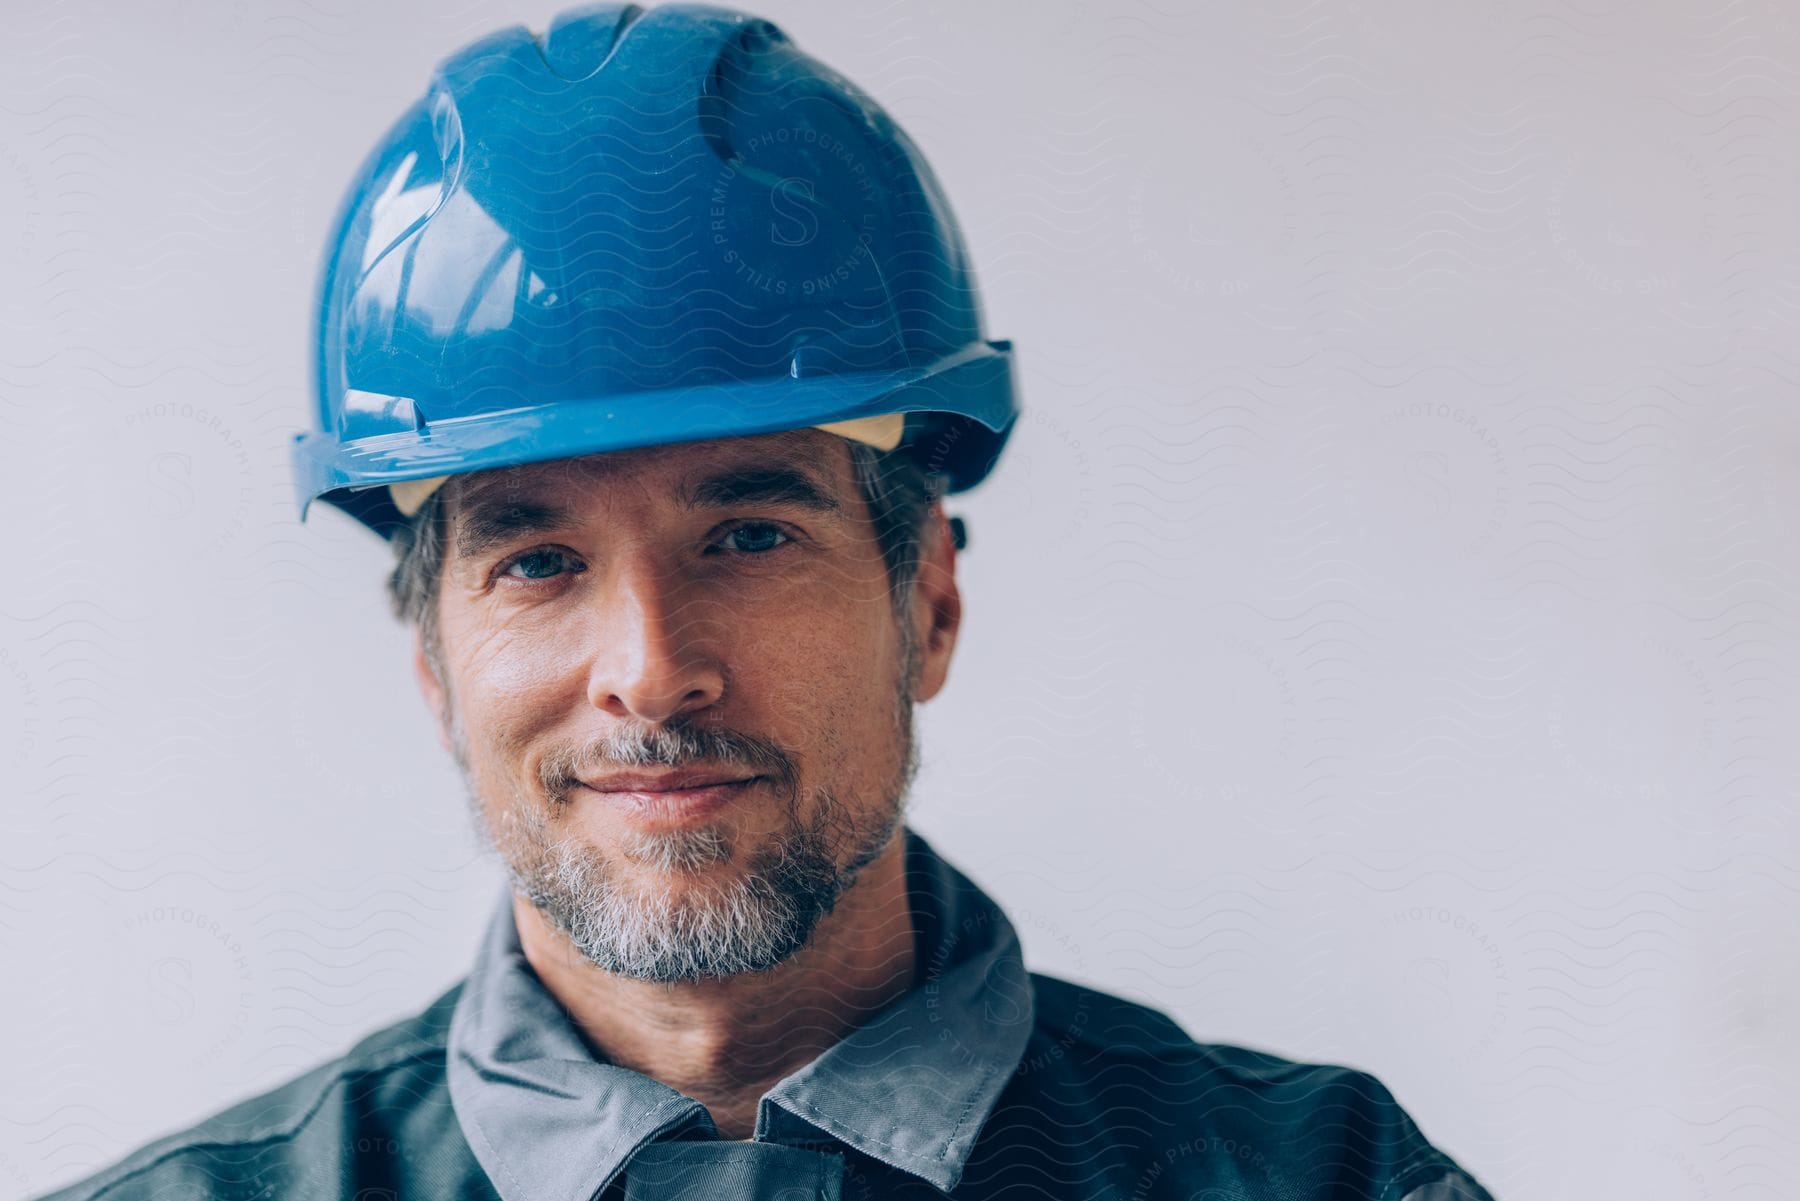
(653, 347)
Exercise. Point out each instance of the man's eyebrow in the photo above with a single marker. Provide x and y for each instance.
(486, 524)
(759, 485)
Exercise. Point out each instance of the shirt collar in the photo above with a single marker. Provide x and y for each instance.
(912, 1086)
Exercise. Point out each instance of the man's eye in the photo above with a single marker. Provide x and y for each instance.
(756, 538)
(542, 565)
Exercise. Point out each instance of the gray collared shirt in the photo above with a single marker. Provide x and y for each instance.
(909, 1089)
(983, 1081)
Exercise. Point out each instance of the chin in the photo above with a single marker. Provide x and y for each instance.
(685, 852)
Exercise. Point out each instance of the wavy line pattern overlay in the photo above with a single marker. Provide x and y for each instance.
(1380, 627)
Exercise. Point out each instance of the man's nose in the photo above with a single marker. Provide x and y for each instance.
(655, 659)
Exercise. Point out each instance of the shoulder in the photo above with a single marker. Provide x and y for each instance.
(1307, 1128)
(257, 1147)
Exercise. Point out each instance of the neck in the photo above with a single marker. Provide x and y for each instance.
(726, 1042)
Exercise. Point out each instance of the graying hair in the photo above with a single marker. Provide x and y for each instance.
(897, 488)
(750, 924)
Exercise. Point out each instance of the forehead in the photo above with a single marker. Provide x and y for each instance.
(808, 472)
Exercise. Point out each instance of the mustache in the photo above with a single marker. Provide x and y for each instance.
(684, 745)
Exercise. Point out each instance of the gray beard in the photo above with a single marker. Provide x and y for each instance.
(754, 921)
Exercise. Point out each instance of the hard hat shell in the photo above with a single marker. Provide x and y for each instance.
(649, 226)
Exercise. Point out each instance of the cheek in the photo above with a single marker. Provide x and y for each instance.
(512, 680)
(815, 641)
(822, 677)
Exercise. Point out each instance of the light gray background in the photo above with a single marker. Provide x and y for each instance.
(1381, 639)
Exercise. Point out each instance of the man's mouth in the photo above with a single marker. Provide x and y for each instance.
(667, 781)
(669, 798)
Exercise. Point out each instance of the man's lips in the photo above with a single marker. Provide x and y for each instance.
(676, 781)
(669, 799)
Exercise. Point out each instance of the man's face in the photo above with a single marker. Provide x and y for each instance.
(614, 626)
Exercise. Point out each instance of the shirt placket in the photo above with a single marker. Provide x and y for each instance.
(743, 1171)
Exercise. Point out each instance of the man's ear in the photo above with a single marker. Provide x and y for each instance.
(937, 605)
(431, 688)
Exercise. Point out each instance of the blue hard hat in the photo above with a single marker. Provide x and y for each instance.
(649, 226)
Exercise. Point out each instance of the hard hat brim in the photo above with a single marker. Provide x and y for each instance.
(960, 410)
